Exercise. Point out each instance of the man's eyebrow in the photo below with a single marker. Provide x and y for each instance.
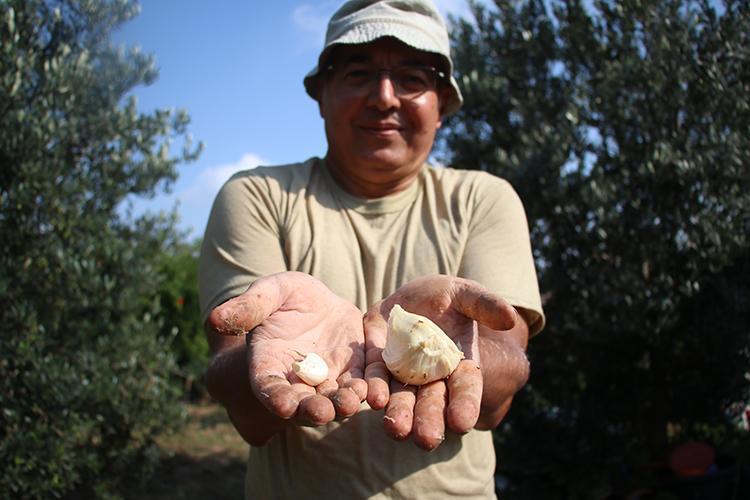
(416, 62)
(364, 58)
(356, 59)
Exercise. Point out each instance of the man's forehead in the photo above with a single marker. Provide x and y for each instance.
(367, 52)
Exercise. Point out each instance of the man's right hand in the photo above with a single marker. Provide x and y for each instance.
(286, 316)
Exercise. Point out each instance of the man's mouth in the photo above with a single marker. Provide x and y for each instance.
(383, 128)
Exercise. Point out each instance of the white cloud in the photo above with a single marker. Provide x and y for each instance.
(209, 181)
(311, 21)
(194, 202)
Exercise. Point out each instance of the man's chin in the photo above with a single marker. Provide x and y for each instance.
(384, 159)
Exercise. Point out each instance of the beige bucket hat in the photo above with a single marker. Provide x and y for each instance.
(416, 23)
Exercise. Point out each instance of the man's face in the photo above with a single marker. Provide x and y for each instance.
(377, 138)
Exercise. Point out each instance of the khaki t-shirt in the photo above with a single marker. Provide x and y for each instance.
(296, 218)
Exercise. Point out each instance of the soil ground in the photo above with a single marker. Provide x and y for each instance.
(204, 459)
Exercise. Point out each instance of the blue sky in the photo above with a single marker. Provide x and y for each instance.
(237, 68)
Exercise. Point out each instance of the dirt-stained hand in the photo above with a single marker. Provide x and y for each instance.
(286, 316)
(456, 305)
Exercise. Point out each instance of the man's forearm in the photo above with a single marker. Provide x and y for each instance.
(227, 380)
(505, 370)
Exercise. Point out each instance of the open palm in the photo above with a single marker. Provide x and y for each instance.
(455, 305)
(290, 315)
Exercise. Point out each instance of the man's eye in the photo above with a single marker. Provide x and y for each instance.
(358, 75)
(414, 78)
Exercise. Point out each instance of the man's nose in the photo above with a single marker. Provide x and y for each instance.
(383, 92)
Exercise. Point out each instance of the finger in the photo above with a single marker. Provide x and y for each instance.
(345, 401)
(376, 373)
(375, 328)
(269, 383)
(377, 377)
(465, 396)
(429, 415)
(315, 410)
(277, 394)
(476, 302)
(327, 388)
(356, 384)
(241, 314)
(353, 376)
(399, 414)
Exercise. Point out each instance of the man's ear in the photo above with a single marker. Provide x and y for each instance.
(443, 97)
(319, 96)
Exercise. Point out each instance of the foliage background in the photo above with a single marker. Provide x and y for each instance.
(182, 328)
(625, 127)
(85, 379)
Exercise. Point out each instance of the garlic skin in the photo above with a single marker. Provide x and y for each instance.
(312, 370)
(417, 351)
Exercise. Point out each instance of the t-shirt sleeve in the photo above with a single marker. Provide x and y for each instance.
(243, 240)
(498, 250)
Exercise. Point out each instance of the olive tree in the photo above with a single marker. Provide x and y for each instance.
(84, 378)
(182, 326)
(625, 127)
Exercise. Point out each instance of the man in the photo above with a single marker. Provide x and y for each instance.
(294, 255)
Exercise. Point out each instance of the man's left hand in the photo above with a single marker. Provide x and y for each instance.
(457, 306)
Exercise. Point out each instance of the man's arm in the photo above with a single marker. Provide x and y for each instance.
(228, 382)
(505, 370)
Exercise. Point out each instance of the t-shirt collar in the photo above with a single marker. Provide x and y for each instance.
(387, 204)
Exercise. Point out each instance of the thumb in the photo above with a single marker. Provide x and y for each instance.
(489, 309)
(239, 315)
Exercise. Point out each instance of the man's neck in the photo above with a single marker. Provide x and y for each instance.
(376, 185)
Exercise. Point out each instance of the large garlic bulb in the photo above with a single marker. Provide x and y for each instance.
(417, 351)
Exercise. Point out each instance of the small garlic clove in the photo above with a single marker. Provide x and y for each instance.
(312, 370)
(417, 351)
